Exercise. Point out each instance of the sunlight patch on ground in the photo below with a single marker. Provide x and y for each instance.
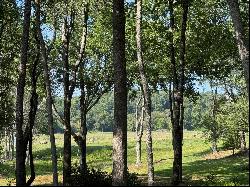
(219, 154)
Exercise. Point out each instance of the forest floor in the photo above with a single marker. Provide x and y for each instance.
(200, 166)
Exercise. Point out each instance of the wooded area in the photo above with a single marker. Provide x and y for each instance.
(72, 68)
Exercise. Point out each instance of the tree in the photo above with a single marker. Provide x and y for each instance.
(146, 95)
(235, 123)
(176, 96)
(10, 34)
(49, 101)
(20, 138)
(119, 172)
(208, 120)
(242, 42)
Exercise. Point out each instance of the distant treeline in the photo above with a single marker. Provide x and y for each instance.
(100, 117)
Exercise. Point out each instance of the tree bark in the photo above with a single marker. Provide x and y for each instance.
(49, 100)
(12, 143)
(177, 108)
(242, 43)
(214, 113)
(242, 140)
(20, 146)
(32, 167)
(139, 132)
(146, 95)
(67, 106)
(83, 129)
(32, 115)
(119, 172)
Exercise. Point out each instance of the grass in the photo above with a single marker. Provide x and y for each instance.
(200, 167)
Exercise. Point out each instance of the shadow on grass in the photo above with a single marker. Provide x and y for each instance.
(7, 169)
(230, 170)
(43, 165)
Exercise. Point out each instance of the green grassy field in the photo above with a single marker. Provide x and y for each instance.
(200, 167)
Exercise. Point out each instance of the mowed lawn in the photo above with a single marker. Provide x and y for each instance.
(200, 167)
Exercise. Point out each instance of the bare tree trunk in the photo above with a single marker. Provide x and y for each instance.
(83, 110)
(49, 100)
(12, 143)
(176, 97)
(9, 143)
(32, 115)
(146, 95)
(214, 113)
(242, 141)
(139, 132)
(32, 167)
(20, 146)
(67, 105)
(83, 129)
(119, 172)
(6, 144)
(175, 110)
(243, 45)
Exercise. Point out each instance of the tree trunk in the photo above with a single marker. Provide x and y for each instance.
(214, 113)
(67, 106)
(242, 141)
(83, 108)
(242, 42)
(119, 172)
(173, 105)
(139, 132)
(176, 96)
(12, 143)
(20, 146)
(83, 130)
(214, 146)
(6, 152)
(49, 100)
(146, 95)
(32, 167)
(32, 116)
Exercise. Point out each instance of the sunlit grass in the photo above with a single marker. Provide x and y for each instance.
(200, 167)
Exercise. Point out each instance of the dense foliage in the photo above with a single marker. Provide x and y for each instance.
(74, 40)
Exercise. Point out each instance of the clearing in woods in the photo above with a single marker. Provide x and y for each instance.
(200, 167)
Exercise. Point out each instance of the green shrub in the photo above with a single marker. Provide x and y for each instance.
(97, 177)
(211, 179)
(133, 179)
(90, 177)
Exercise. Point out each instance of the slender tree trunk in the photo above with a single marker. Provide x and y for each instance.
(146, 95)
(6, 144)
(177, 108)
(67, 106)
(243, 45)
(32, 167)
(139, 132)
(83, 111)
(83, 129)
(9, 142)
(175, 111)
(49, 100)
(32, 116)
(12, 143)
(214, 113)
(214, 146)
(242, 141)
(119, 173)
(20, 146)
